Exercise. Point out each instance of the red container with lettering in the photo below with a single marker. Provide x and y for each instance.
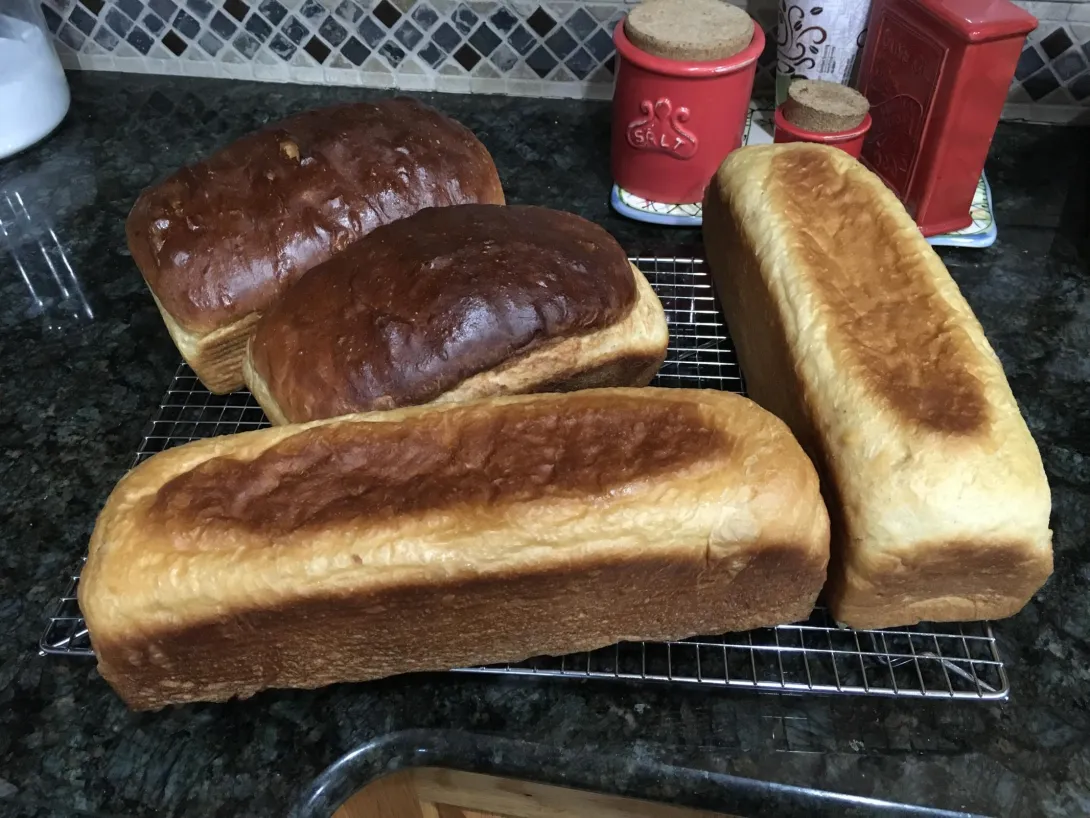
(675, 121)
(936, 73)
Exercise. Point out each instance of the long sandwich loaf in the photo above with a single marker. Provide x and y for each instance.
(218, 241)
(849, 327)
(454, 304)
(449, 535)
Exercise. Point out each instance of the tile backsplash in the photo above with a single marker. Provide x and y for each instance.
(523, 47)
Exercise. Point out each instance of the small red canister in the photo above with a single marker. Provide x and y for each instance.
(850, 141)
(675, 121)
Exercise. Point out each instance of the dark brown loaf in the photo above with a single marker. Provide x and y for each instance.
(425, 303)
(445, 536)
(219, 240)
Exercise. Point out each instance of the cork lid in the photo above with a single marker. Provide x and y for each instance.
(824, 107)
(690, 30)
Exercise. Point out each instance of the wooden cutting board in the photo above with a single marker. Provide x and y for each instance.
(437, 793)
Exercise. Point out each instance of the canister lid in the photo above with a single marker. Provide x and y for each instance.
(982, 20)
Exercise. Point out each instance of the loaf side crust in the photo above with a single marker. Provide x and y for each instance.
(215, 357)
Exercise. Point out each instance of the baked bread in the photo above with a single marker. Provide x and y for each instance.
(451, 535)
(849, 327)
(218, 241)
(453, 304)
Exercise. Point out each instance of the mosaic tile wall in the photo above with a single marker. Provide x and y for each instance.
(525, 47)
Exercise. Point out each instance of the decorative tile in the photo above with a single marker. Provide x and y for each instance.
(1056, 43)
(392, 53)
(431, 54)
(425, 16)
(272, 11)
(119, 24)
(71, 37)
(446, 37)
(246, 45)
(83, 20)
(223, 25)
(52, 19)
(541, 22)
(1069, 64)
(201, 8)
(187, 25)
(561, 43)
(387, 14)
(210, 43)
(521, 39)
(355, 51)
(550, 47)
(236, 8)
(174, 43)
(332, 31)
(317, 49)
(294, 30)
(140, 40)
(541, 61)
(1080, 88)
(484, 40)
(408, 35)
(1041, 84)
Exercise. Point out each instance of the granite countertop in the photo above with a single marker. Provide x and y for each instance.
(79, 383)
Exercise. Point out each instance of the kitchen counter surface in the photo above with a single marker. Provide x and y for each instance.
(79, 381)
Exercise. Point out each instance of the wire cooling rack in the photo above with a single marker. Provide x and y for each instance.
(958, 661)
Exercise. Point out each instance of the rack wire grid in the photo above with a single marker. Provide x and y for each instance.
(958, 661)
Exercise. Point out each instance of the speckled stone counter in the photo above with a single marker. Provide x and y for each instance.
(80, 376)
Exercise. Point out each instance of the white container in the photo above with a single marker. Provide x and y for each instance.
(33, 90)
(818, 40)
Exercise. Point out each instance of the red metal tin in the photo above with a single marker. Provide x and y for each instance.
(936, 74)
(851, 142)
(674, 121)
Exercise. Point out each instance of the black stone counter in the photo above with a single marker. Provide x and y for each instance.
(80, 377)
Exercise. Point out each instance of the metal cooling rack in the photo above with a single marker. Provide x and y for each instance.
(928, 661)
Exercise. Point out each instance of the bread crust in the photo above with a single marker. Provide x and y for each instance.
(620, 514)
(628, 353)
(217, 241)
(849, 327)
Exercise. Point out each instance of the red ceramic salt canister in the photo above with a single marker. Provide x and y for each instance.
(674, 121)
(936, 74)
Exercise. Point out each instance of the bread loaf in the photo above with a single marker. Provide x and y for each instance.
(218, 241)
(442, 536)
(457, 303)
(849, 327)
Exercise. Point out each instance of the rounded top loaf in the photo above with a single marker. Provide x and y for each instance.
(219, 240)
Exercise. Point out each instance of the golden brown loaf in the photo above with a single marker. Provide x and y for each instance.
(849, 327)
(441, 536)
(219, 240)
(455, 303)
